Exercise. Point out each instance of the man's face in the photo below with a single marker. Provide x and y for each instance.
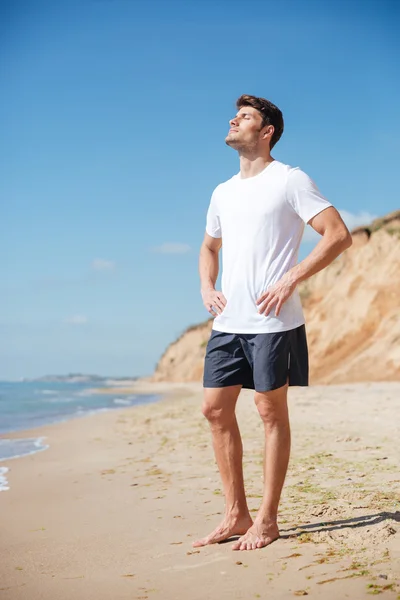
(244, 132)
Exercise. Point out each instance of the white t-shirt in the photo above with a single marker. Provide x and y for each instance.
(261, 221)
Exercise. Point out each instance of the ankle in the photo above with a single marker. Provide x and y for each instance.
(237, 511)
(266, 519)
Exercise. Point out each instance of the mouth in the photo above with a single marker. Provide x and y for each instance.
(231, 130)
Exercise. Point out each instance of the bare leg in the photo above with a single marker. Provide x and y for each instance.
(273, 410)
(219, 408)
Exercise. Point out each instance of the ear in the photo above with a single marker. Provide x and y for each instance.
(268, 132)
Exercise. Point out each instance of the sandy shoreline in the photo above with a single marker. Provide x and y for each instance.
(109, 511)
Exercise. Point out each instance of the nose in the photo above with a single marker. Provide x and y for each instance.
(233, 122)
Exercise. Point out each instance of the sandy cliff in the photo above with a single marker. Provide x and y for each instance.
(352, 311)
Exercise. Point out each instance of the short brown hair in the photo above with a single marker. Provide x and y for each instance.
(271, 115)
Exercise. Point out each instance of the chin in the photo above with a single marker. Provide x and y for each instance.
(230, 141)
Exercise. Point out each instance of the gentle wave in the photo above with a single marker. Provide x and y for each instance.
(124, 401)
(82, 412)
(3, 479)
(87, 392)
(15, 448)
(59, 400)
(31, 405)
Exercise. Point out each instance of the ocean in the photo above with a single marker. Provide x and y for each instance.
(29, 404)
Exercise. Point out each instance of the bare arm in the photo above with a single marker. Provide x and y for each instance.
(208, 267)
(335, 239)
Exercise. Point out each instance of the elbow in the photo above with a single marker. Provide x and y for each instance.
(340, 239)
(348, 240)
(344, 239)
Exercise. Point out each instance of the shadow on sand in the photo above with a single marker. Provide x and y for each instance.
(353, 522)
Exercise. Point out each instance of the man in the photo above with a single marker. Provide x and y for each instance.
(258, 339)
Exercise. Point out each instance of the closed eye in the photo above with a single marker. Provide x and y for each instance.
(244, 115)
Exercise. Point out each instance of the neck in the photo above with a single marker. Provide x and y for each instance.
(252, 164)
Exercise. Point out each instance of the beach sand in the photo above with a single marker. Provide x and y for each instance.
(111, 509)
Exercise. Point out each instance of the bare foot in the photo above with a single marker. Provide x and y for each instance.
(258, 536)
(230, 526)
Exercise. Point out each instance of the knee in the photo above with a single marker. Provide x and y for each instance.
(271, 415)
(266, 413)
(214, 414)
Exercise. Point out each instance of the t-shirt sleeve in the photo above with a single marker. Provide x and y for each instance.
(213, 224)
(304, 196)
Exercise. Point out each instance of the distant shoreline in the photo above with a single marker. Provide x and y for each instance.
(21, 439)
(77, 378)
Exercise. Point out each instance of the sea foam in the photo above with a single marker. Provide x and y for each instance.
(15, 448)
(3, 479)
(122, 401)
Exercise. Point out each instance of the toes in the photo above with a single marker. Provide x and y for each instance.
(236, 545)
(214, 538)
(203, 542)
(243, 544)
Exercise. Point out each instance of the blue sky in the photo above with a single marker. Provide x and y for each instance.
(113, 115)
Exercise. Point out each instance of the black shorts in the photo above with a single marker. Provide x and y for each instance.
(257, 361)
